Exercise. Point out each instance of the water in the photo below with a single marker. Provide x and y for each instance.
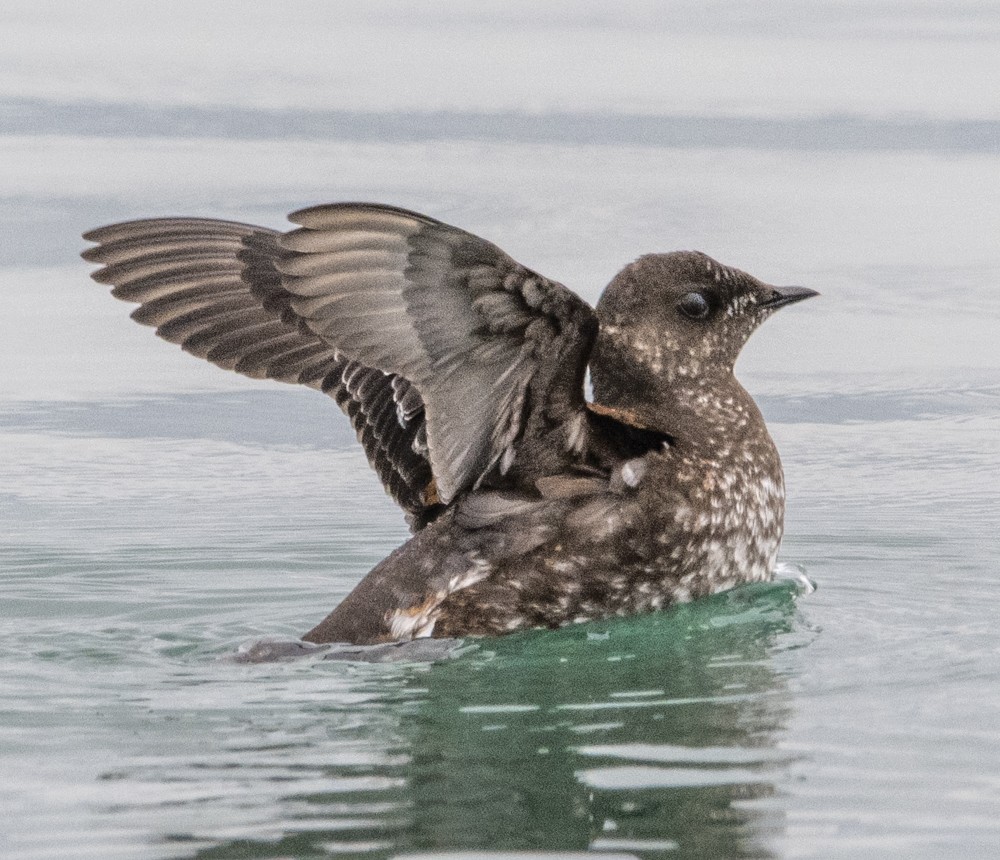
(157, 514)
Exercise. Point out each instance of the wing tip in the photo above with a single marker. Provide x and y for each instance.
(92, 255)
(95, 254)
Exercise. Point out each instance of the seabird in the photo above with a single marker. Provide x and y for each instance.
(463, 375)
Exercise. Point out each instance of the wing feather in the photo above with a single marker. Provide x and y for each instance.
(471, 329)
(212, 287)
(443, 351)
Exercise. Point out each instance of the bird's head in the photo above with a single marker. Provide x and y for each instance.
(678, 320)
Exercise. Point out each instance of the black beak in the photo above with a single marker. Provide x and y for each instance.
(782, 296)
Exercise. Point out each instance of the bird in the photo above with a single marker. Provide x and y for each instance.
(464, 375)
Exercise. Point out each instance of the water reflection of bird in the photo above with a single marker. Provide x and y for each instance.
(463, 373)
(644, 732)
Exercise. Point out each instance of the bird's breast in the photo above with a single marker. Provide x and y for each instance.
(718, 516)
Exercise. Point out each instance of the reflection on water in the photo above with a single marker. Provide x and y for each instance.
(659, 732)
(648, 735)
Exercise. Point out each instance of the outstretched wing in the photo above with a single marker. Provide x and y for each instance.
(212, 287)
(497, 352)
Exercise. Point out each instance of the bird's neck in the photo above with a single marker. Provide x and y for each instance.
(714, 414)
(697, 404)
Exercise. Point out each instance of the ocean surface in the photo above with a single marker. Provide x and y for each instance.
(158, 515)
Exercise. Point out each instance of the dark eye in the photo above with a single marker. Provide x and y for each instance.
(693, 306)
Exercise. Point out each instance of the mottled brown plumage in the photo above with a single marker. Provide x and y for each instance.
(462, 372)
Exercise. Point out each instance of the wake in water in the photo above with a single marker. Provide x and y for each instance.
(414, 650)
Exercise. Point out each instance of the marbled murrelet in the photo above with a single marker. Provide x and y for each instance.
(463, 375)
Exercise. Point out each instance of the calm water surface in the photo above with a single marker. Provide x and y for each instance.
(156, 514)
